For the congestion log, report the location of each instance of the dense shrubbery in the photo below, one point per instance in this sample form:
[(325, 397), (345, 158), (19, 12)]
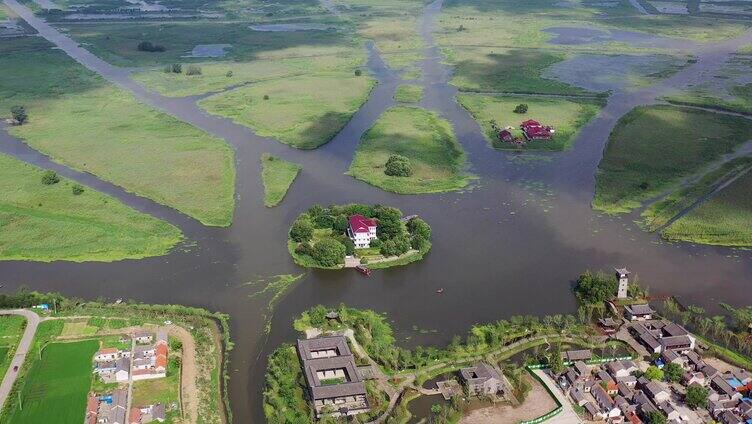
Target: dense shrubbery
[(398, 166), (19, 114), (283, 395), (175, 68), (77, 189), (521, 108), (148, 46), (193, 70), (320, 234), (595, 288), (50, 178)]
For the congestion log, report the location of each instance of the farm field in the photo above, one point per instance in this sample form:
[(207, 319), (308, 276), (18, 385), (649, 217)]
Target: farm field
[(567, 116), (48, 222), (304, 112), (79, 120), (725, 219), (277, 176), (428, 141), (163, 390), (409, 93), (55, 388), (641, 162)]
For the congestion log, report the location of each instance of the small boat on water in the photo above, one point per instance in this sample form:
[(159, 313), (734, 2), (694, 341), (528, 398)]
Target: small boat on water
[(439, 291), (363, 270)]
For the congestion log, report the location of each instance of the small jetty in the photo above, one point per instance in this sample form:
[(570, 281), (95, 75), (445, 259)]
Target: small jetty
[(363, 270)]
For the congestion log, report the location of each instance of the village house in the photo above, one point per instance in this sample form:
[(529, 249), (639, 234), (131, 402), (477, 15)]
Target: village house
[(533, 130), (150, 361), (577, 355), (362, 231), (147, 414), (506, 136), (639, 312), (619, 369), (481, 379), (113, 371), (112, 408), (143, 337), (334, 385)]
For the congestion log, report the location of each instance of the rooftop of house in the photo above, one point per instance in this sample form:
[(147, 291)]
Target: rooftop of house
[(578, 355), (361, 224), (639, 309), (479, 373), (622, 271), (337, 356), (108, 351)]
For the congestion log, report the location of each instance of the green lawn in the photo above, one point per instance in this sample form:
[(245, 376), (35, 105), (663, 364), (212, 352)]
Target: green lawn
[(408, 93), (725, 219), (566, 116), (48, 222), (78, 119), (641, 161), (277, 176), (55, 387), (437, 159), (304, 112), (161, 390)]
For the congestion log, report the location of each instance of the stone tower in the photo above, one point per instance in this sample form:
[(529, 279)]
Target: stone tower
[(623, 276)]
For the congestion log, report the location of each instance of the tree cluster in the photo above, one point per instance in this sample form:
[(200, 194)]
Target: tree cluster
[(521, 108), (595, 288), (398, 166), (50, 178), (19, 114)]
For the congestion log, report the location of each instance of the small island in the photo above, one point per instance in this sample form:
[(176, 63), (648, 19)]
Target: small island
[(347, 236)]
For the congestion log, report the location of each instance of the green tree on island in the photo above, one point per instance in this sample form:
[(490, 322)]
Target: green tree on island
[(301, 230), (328, 252), (697, 397), (398, 166), (595, 288)]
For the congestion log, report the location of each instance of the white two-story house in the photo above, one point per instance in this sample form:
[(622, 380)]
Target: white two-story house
[(361, 231)]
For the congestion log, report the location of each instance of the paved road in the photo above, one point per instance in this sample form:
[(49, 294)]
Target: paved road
[(32, 321), (567, 415)]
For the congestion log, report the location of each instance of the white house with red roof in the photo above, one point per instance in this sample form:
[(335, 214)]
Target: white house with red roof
[(361, 231)]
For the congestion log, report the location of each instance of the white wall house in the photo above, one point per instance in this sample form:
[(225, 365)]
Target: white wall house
[(361, 231)]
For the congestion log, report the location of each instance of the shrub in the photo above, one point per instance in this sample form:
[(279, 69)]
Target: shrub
[(376, 243), (398, 166), (697, 397), (521, 108), (266, 97), (228, 74), (461, 28), (419, 227), (193, 70), (358, 72), (328, 252), (673, 372), (303, 248), (176, 68), (50, 177), (653, 373), (596, 288), (301, 230), (340, 224), (19, 114), (147, 46), (78, 189)]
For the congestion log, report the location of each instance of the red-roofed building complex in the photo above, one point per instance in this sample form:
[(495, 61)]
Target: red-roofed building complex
[(361, 231), (533, 130)]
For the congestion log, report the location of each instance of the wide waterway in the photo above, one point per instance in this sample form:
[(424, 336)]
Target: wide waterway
[(510, 245)]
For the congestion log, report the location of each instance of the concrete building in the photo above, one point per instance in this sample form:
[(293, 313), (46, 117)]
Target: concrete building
[(482, 379), (361, 231), (334, 386)]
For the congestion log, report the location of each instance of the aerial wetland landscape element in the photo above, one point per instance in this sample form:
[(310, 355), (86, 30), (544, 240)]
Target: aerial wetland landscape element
[(181, 165)]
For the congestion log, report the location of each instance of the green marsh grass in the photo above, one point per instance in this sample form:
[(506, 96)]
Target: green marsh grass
[(277, 176)]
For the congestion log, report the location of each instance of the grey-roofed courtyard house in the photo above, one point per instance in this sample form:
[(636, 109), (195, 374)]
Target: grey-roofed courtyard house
[(335, 387), (481, 379), (639, 312)]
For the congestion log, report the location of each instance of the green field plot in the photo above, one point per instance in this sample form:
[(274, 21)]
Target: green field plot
[(408, 93), (429, 143), (56, 386), (277, 176), (653, 148), (92, 126), (161, 390), (725, 219), (565, 115), (49, 222), (11, 330), (304, 112), (218, 76), (78, 329)]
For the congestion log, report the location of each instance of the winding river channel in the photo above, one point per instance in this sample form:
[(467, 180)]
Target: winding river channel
[(510, 245)]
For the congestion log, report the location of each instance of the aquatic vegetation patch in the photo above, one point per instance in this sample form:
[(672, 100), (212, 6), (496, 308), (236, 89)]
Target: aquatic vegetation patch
[(41, 222), (277, 176), (428, 141), (641, 162), (409, 93), (278, 286), (304, 112)]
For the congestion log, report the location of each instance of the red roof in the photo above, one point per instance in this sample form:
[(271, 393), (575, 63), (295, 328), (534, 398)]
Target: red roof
[(533, 129), (360, 224), (531, 123), (107, 351), (135, 416)]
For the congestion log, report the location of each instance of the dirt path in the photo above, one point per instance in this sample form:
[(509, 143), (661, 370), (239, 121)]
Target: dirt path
[(188, 372)]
